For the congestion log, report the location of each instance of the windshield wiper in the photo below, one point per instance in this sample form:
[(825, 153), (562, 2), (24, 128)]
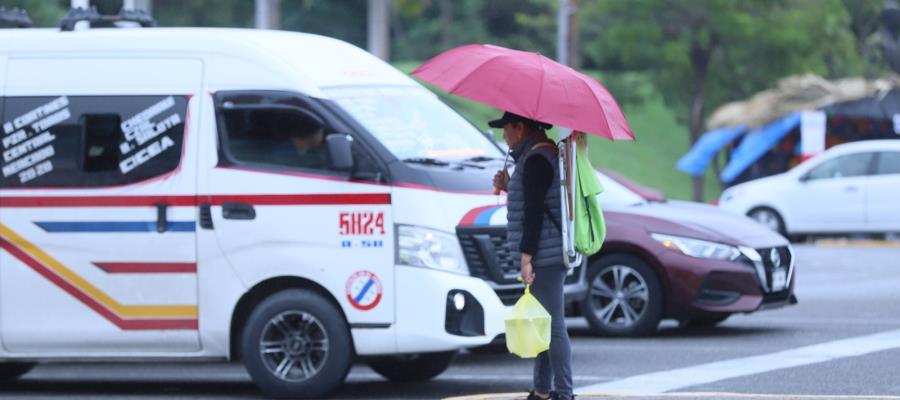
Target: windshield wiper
[(482, 159), (440, 163), (426, 161)]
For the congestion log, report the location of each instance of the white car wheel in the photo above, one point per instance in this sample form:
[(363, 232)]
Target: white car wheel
[(768, 218)]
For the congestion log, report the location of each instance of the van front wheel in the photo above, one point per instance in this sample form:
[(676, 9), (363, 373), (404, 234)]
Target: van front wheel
[(12, 371), (295, 344), (412, 367)]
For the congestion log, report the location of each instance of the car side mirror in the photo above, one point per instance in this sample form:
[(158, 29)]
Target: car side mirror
[(340, 154)]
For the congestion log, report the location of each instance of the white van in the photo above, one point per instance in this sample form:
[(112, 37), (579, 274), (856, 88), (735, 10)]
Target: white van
[(280, 198)]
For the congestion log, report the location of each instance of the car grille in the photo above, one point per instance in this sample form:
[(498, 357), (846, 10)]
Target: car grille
[(773, 258), (489, 257)]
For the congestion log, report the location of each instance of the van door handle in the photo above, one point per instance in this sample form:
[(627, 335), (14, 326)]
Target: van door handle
[(237, 210), (851, 189), (162, 220)]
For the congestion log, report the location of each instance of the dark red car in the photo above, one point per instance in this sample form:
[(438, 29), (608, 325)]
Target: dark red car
[(687, 261)]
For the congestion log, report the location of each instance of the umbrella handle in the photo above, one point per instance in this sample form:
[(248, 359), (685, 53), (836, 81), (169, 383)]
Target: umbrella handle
[(505, 162)]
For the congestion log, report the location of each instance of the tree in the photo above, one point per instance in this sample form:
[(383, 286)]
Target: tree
[(42, 12), (703, 53)]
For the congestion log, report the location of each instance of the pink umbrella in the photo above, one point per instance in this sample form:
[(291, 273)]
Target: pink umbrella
[(527, 84)]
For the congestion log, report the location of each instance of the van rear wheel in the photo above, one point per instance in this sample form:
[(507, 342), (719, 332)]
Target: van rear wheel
[(295, 344), (12, 371), (412, 367)]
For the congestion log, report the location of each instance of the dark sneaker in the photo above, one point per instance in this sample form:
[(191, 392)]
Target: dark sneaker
[(533, 396), (558, 396)]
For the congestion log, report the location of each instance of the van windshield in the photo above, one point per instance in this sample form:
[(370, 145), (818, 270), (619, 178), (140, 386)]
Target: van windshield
[(413, 123)]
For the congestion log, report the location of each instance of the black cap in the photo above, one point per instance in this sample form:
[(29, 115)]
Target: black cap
[(510, 117)]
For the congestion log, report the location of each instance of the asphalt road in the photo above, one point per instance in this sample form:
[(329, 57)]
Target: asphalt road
[(846, 296)]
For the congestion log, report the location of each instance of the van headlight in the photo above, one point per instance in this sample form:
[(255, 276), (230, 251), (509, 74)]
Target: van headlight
[(698, 248), (428, 248)]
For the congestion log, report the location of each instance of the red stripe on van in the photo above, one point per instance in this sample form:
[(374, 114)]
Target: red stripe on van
[(146, 268), (134, 324), (96, 201), (139, 201), (305, 199)]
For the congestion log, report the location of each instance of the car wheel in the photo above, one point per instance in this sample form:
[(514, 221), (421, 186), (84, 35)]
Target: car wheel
[(12, 371), (624, 298), (412, 367), (707, 322), (768, 218), (296, 344)]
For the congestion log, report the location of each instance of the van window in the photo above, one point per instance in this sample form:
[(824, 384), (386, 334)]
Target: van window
[(284, 138), (101, 141), (90, 141)]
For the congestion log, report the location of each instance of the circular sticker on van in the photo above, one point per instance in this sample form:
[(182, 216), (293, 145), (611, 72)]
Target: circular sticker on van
[(364, 290)]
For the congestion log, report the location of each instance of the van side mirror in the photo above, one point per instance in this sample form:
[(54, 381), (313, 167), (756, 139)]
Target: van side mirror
[(340, 154)]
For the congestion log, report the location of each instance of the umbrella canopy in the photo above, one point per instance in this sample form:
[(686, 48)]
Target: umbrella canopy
[(530, 85)]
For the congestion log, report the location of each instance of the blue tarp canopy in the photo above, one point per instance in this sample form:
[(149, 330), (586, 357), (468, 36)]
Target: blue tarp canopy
[(757, 143), (696, 160)]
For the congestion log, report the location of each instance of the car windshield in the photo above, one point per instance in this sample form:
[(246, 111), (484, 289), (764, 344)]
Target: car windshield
[(413, 123), (615, 194)]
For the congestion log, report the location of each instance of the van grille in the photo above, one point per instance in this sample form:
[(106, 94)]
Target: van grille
[(487, 254), (488, 257)]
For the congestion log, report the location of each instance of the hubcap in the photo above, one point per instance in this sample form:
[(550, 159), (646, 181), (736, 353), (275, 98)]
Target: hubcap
[(619, 296), (293, 346), (767, 219)]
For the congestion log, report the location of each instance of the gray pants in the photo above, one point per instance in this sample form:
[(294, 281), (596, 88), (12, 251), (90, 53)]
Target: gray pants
[(556, 364)]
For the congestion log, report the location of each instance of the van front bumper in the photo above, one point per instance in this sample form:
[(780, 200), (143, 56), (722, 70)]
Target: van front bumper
[(427, 318)]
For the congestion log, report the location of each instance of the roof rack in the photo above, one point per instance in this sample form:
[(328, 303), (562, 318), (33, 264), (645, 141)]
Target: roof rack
[(15, 18), (92, 16)]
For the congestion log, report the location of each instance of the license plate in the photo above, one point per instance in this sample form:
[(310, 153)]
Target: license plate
[(779, 279)]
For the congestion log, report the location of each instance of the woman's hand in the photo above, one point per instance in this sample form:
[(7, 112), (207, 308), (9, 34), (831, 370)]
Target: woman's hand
[(527, 269), (501, 181)]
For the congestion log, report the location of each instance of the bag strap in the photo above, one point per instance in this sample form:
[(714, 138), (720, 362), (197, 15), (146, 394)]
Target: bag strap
[(542, 144), (547, 209), (550, 216)]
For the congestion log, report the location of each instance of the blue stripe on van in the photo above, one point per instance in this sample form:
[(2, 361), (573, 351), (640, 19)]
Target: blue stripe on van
[(485, 217), (114, 226)]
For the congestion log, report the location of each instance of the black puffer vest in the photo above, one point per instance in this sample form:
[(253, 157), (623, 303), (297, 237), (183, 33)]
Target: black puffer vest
[(550, 251)]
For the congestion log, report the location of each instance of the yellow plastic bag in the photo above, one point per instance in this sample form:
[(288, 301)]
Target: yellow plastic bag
[(528, 327)]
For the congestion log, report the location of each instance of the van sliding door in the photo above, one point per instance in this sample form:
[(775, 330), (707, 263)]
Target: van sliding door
[(98, 213)]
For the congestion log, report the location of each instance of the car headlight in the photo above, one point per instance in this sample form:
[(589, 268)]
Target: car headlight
[(698, 248), (427, 248)]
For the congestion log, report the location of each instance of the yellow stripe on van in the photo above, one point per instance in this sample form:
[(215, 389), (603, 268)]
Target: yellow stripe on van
[(123, 311)]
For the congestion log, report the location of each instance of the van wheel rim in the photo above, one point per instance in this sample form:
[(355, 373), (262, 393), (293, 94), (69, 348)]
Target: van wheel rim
[(619, 296), (294, 346)]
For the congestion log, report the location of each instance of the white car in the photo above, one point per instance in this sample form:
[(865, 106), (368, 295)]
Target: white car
[(853, 187)]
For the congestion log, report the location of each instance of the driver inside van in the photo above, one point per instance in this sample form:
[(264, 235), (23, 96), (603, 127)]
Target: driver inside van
[(304, 147)]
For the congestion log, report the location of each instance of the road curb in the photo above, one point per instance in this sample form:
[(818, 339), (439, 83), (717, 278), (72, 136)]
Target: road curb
[(681, 395), (857, 243)]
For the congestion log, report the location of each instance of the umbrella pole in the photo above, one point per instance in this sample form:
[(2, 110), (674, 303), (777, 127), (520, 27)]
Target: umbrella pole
[(497, 190)]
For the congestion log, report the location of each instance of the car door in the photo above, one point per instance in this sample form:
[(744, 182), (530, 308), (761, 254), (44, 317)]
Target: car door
[(883, 198), (278, 210), (97, 208), (831, 197)]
